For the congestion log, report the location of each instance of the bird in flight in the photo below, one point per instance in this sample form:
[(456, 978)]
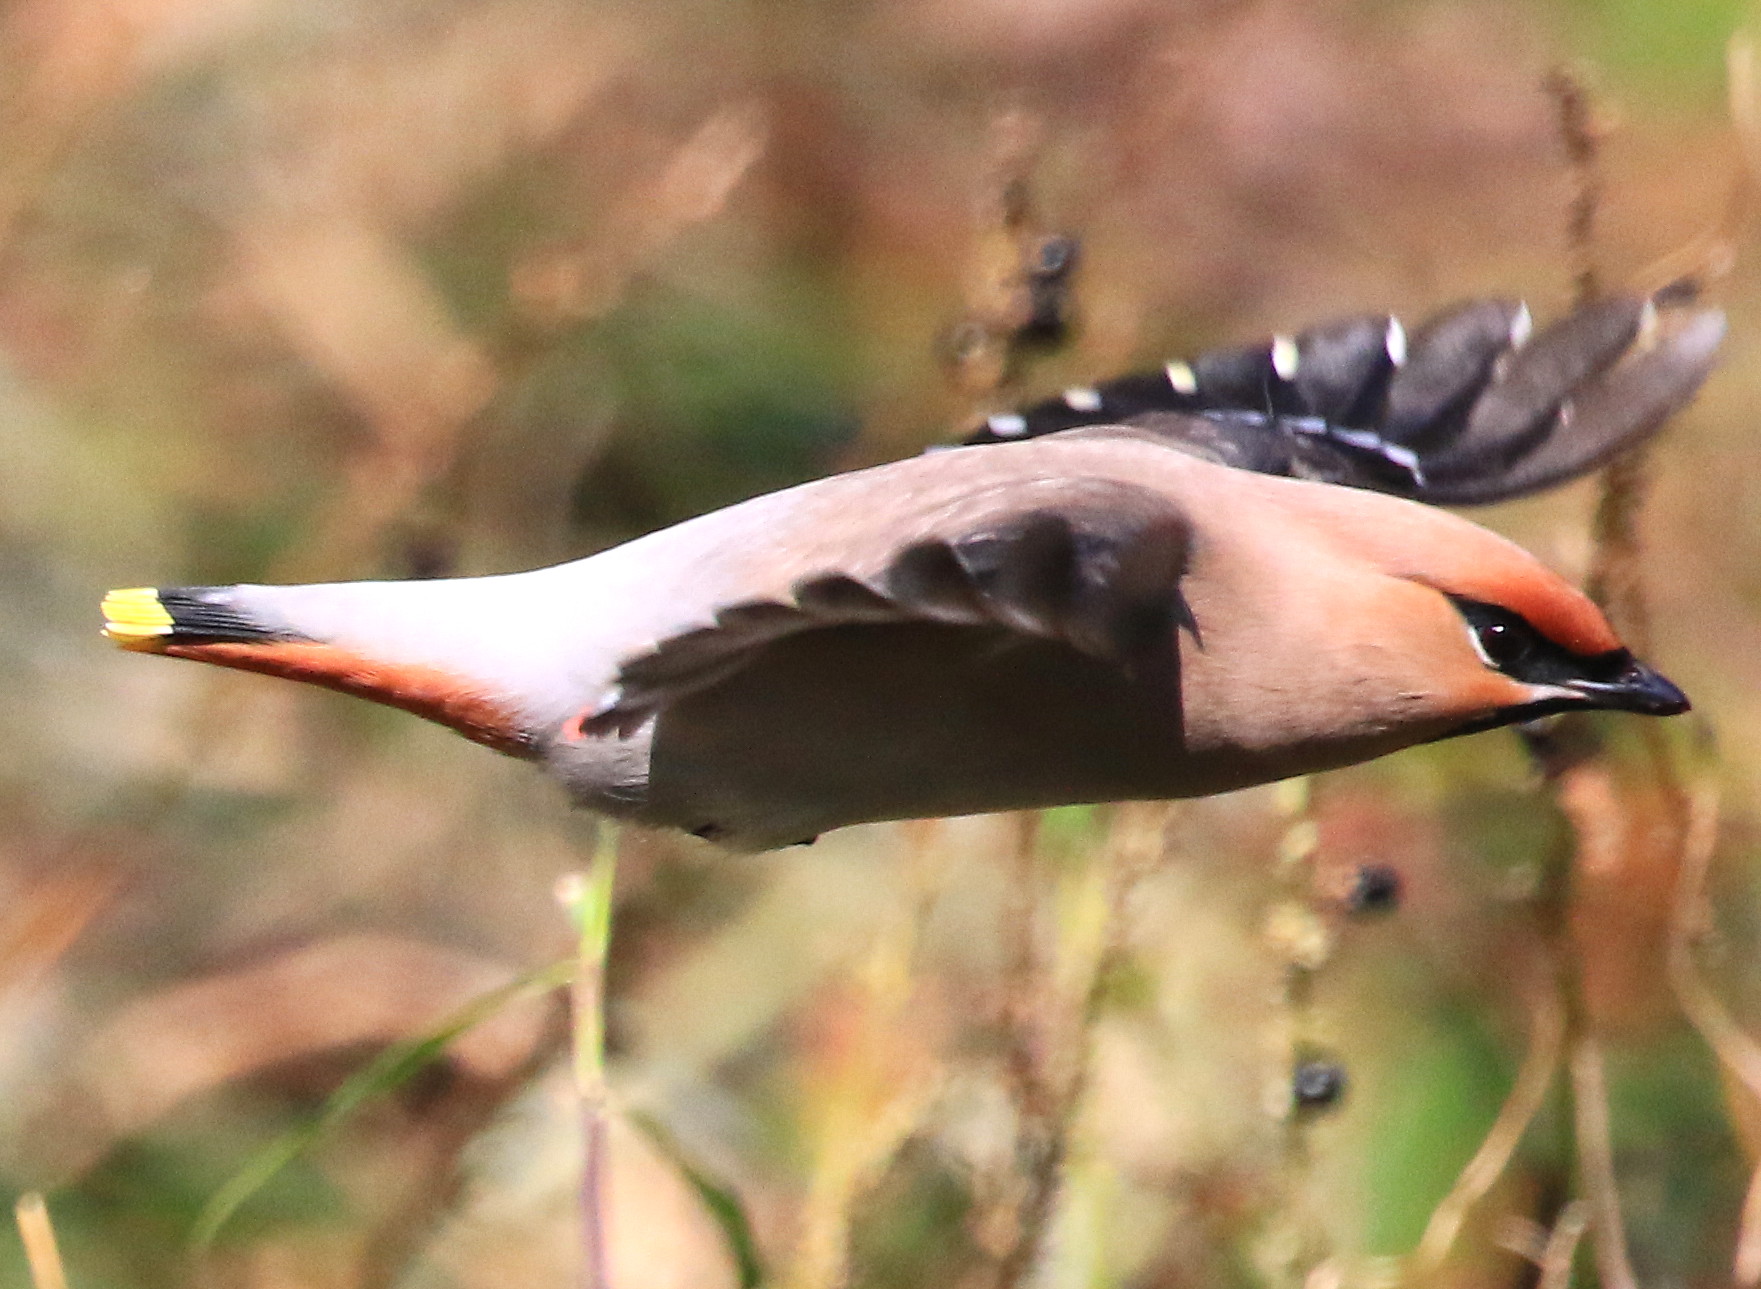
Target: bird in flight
[(1224, 572)]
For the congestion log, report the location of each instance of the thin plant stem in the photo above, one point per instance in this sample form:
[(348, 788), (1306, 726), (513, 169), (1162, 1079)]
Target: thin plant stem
[(1615, 582), (1596, 1162), (588, 898), (1562, 1246), (40, 1249), (1051, 1082), (1301, 943), (1736, 1049), (1711, 256), (1746, 1261), (1585, 1093), (866, 1122), (1581, 134), (1527, 1094)]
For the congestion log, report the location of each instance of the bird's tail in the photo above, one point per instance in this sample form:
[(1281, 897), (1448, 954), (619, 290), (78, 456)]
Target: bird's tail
[(394, 643), (151, 618)]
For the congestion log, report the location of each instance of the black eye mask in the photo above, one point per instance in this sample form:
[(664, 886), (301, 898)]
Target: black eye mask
[(1510, 645), (1613, 680)]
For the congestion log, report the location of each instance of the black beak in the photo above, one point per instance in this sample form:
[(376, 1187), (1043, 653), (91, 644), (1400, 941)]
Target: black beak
[(1635, 688)]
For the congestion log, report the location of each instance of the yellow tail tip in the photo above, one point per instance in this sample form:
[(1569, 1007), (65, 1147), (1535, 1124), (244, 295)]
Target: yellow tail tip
[(134, 618)]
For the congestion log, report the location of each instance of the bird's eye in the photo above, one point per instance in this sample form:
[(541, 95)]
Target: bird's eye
[(1504, 640), (1506, 645)]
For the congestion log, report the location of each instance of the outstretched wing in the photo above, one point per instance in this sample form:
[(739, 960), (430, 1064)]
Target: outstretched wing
[(1472, 407), (1090, 562)]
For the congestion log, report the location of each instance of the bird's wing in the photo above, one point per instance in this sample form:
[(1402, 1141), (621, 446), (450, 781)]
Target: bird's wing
[(1468, 408), (1092, 562)]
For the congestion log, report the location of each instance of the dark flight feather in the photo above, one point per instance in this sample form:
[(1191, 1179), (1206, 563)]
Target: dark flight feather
[(1469, 408)]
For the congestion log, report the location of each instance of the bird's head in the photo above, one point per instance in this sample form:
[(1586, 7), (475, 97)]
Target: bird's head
[(1418, 620)]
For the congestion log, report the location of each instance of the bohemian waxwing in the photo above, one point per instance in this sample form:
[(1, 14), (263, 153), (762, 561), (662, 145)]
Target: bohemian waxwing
[(1096, 612)]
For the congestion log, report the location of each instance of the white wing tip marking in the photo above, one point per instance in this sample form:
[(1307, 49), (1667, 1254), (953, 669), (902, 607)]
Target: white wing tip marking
[(1285, 357), (1395, 342), (1522, 326), (1646, 335)]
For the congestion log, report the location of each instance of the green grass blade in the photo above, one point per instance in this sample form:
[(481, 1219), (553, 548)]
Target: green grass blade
[(393, 1067)]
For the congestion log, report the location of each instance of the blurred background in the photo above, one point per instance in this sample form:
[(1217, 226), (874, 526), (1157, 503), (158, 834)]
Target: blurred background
[(320, 289)]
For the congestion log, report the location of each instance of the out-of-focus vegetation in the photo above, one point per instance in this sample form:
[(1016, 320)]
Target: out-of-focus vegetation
[(309, 289)]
